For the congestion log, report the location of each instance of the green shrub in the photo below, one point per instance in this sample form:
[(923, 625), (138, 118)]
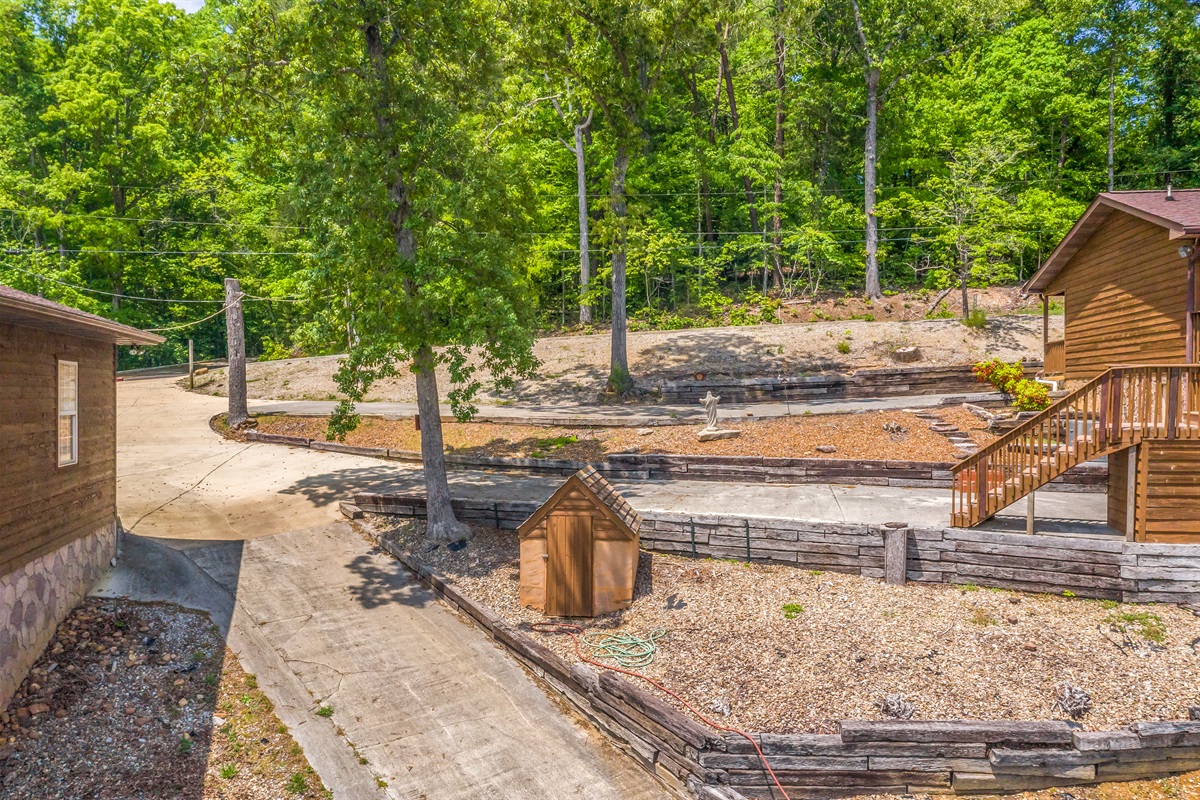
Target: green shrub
[(1000, 374), (273, 351), (1029, 395), (1145, 623), (843, 347), (325, 711), (976, 318), (792, 610)]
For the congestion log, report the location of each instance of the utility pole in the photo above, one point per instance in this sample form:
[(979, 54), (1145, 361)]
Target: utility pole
[(235, 331)]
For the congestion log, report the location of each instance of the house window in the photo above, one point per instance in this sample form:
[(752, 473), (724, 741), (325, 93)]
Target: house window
[(68, 413)]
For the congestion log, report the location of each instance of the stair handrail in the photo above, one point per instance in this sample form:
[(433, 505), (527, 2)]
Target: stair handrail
[(1105, 417), (1050, 411)]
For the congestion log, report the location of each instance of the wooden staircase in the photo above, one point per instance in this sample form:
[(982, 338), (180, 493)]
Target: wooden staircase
[(1117, 409)]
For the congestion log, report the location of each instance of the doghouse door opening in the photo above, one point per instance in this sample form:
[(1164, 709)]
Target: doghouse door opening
[(569, 565)]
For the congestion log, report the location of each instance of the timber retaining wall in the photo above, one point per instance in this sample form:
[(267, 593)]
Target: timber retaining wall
[(1091, 477), (861, 384), (1102, 568), (864, 757)]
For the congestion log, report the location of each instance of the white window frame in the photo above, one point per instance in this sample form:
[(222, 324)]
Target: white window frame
[(68, 407)]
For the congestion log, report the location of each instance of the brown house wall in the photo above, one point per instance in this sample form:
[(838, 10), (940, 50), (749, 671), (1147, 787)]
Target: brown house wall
[(45, 506), (1169, 494), (1125, 298)]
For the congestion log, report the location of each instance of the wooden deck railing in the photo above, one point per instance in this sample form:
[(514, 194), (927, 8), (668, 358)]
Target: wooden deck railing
[(1117, 409), (1055, 358)]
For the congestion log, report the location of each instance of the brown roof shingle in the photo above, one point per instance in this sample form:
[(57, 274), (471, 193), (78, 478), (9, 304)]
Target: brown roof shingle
[(31, 311), (606, 493), (1179, 216)]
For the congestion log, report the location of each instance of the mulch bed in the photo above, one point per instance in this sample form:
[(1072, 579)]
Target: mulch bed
[(855, 436), (786, 650), (135, 700)]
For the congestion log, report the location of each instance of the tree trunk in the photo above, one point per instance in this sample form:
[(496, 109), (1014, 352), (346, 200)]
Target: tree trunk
[(873, 291), (1112, 92), (441, 524), (776, 221), (235, 331), (734, 129), (619, 379), (585, 263), (964, 272)]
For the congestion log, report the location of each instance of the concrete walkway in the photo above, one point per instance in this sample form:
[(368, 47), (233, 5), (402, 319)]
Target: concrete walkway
[(435, 708), (620, 414)]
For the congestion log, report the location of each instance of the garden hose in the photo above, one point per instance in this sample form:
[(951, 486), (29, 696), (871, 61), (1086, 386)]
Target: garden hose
[(577, 635), (627, 650)]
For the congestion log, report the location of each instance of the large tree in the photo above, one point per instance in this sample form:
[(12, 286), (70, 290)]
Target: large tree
[(892, 39), (416, 209), (616, 51)]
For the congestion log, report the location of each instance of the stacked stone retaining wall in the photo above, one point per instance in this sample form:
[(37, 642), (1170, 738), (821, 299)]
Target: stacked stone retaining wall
[(1087, 566), (861, 384), (1092, 477), (36, 597), (864, 757)]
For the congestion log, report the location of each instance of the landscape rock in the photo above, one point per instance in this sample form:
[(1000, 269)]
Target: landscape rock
[(826, 448)]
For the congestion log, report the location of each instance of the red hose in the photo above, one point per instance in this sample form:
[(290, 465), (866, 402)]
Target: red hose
[(575, 631)]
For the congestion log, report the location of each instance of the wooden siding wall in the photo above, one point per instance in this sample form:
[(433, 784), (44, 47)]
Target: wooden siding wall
[(43, 506), (1126, 298), (1118, 489), (1168, 492)]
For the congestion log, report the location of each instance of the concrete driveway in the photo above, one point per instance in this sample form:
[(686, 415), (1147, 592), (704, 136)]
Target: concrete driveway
[(434, 708)]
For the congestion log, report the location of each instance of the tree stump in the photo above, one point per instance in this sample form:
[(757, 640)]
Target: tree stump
[(906, 355)]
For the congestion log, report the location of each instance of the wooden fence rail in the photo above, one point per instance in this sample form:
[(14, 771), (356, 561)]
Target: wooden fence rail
[(1117, 409)]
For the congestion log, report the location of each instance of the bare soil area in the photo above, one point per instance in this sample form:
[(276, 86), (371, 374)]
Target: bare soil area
[(784, 650), (896, 435), (574, 368), (135, 700)]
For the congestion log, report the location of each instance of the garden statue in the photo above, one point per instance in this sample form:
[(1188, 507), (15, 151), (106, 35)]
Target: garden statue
[(710, 410), (710, 430)]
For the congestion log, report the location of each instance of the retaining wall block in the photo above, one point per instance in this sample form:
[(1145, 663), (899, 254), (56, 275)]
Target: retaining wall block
[(989, 732)]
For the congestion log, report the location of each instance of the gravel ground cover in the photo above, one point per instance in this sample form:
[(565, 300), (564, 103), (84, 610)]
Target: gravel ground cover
[(574, 368), (134, 701), (856, 436), (785, 650)]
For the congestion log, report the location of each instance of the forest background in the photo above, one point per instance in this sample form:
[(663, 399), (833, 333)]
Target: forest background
[(735, 154)]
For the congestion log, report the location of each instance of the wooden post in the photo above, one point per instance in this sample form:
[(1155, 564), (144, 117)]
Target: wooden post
[(191, 365), (1190, 327), (1029, 512), (1131, 480), (235, 331), (1045, 325), (895, 553)]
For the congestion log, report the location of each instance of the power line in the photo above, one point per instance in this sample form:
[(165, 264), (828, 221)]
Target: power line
[(165, 221), (86, 251), (77, 287), (220, 310)]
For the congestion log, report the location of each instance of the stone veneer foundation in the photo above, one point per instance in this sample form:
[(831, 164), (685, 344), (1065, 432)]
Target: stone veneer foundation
[(35, 598)]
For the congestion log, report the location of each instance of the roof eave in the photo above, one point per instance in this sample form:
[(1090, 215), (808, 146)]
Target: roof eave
[(34, 315)]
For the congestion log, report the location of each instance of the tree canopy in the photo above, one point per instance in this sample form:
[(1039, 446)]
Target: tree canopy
[(147, 153)]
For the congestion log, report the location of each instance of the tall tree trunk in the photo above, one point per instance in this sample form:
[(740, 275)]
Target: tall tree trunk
[(441, 524), (734, 127), (873, 291), (1112, 93), (776, 221), (619, 379), (585, 262), (705, 205)]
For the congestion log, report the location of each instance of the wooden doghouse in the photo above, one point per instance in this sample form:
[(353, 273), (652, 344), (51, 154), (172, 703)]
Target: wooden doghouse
[(579, 551)]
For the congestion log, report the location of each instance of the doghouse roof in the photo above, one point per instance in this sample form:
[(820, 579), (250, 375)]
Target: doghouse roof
[(606, 498)]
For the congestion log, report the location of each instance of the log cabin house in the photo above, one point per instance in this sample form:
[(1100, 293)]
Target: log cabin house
[(58, 467), (1126, 275)]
